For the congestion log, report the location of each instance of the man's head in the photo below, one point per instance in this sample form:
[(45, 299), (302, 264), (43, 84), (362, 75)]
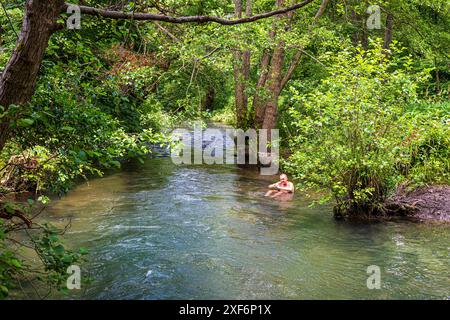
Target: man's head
[(283, 178)]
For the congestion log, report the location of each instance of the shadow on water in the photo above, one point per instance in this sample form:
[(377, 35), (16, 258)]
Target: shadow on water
[(161, 231)]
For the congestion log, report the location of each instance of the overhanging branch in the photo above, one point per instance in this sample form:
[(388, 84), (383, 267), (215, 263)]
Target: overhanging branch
[(111, 14)]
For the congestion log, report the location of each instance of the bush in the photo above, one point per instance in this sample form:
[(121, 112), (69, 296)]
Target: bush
[(153, 116), (428, 143), (71, 139), (226, 115)]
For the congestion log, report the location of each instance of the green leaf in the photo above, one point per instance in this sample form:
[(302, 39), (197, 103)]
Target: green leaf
[(115, 163), (16, 263), (25, 122), (44, 199), (82, 155), (67, 128), (59, 250), (67, 259)]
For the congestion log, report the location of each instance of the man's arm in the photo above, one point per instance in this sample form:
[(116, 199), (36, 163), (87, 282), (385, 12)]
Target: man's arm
[(274, 186)]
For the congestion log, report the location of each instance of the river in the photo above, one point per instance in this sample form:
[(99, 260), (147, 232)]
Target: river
[(165, 231)]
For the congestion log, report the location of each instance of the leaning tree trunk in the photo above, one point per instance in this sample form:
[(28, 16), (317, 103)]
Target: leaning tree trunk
[(18, 80), (274, 83), (270, 79), (266, 113), (258, 101), (274, 79), (388, 33)]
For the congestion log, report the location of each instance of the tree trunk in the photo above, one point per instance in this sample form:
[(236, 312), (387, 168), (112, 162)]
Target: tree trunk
[(355, 35), (258, 101), (18, 80), (295, 61), (364, 35), (438, 80), (239, 90), (269, 80), (274, 83), (266, 115), (360, 35), (208, 104), (246, 61)]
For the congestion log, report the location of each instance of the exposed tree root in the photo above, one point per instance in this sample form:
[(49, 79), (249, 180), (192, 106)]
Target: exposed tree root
[(428, 203), (431, 203)]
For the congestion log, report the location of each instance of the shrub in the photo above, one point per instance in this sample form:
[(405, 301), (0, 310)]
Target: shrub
[(428, 145), (350, 130), (71, 139)]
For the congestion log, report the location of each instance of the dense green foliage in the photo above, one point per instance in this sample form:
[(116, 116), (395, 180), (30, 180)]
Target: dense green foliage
[(354, 137), (84, 118), (357, 119)]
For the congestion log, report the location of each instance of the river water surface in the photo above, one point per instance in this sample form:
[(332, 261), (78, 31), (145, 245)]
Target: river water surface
[(163, 231)]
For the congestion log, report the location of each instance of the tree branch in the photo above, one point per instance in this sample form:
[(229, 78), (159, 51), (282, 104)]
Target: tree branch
[(186, 19), (321, 10), (18, 214), (170, 34), (291, 69)]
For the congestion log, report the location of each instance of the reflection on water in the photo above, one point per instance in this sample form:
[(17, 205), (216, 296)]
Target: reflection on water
[(161, 231)]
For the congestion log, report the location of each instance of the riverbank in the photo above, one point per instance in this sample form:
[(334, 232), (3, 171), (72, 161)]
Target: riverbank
[(431, 203)]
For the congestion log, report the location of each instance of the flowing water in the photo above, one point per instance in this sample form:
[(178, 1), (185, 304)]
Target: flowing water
[(164, 231)]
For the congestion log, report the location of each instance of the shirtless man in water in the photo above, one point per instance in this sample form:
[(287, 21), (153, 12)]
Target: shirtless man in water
[(282, 187)]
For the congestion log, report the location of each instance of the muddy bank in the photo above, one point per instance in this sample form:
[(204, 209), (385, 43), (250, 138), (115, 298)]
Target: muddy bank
[(428, 203)]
